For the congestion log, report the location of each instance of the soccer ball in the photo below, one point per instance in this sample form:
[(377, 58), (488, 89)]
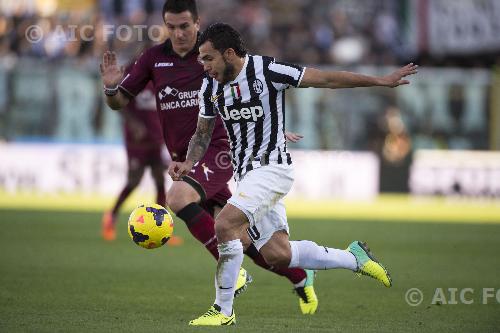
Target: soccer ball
[(150, 226)]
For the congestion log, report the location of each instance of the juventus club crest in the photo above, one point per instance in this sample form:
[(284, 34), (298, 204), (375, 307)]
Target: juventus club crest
[(258, 87)]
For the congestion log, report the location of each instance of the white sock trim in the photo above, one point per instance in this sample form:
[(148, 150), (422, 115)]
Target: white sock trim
[(294, 260), (230, 247)]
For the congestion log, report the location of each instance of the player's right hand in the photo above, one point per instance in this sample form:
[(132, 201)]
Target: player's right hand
[(111, 73), (177, 170)]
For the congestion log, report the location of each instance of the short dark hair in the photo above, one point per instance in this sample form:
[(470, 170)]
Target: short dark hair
[(179, 6), (223, 37)]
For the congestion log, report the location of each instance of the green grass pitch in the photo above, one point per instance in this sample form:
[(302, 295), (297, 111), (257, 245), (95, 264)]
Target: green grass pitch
[(57, 275)]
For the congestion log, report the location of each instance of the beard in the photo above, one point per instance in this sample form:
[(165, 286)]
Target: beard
[(228, 73)]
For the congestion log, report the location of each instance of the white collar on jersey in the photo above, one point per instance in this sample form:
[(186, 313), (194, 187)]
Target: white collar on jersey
[(242, 73)]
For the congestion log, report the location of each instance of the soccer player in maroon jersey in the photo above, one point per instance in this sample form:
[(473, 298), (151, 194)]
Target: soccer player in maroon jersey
[(177, 75), (143, 138)]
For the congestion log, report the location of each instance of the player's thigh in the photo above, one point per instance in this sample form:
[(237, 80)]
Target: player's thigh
[(230, 224), (276, 251), (245, 239), (180, 195)]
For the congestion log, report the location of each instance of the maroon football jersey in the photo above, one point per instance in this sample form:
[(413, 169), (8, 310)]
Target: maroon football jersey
[(143, 110), (176, 81)]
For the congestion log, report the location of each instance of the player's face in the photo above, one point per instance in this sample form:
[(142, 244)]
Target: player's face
[(216, 64), (182, 30)]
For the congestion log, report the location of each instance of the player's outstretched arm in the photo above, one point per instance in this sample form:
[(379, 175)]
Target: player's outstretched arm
[(334, 80), (196, 150), (111, 75)]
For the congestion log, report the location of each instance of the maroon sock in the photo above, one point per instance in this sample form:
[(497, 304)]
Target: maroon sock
[(161, 197), (201, 225), (121, 198), (295, 275)]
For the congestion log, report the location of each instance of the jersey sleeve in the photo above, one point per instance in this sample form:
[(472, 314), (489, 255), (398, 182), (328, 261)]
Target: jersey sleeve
[(206, 102), (284, 75), (137, 77)]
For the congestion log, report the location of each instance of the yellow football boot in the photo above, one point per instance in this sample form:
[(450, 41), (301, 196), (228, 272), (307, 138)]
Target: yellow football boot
[(308, 301), (242, 282), (214, 317)]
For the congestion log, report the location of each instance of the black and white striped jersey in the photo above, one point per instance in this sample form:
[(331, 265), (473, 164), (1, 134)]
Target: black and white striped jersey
[(252, 107)]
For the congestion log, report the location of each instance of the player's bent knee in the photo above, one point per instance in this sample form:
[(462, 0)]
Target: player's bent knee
[(180, 195), (177, 200), (223, 229), (245, 240), (176, 203), (277, 259), (276, 256), (277, 251), (227, 228), (230, 224)]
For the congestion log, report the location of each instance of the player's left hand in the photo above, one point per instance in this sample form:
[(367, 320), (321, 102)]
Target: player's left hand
[(111, 72), (177, 170), (293, 137), (396, 78)]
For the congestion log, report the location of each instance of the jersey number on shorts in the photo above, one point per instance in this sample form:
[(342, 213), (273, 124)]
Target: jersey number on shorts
[(253, 233)]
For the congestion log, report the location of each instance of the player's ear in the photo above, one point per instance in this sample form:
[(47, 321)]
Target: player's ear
[(229, 53), (197, 24)]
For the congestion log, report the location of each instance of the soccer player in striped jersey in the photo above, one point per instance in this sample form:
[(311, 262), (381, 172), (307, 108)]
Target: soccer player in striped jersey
[(247, 92), (176, 77)]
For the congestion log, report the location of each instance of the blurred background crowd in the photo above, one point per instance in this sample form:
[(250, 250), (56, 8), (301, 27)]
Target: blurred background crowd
[(50, 89), (303, 31)]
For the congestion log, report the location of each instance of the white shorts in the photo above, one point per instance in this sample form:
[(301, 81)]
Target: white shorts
[(260, 196)]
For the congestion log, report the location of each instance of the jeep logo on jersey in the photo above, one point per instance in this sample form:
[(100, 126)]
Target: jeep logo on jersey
[(242, 112)]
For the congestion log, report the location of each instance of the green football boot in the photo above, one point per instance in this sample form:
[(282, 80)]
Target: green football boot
[(368, 264)]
